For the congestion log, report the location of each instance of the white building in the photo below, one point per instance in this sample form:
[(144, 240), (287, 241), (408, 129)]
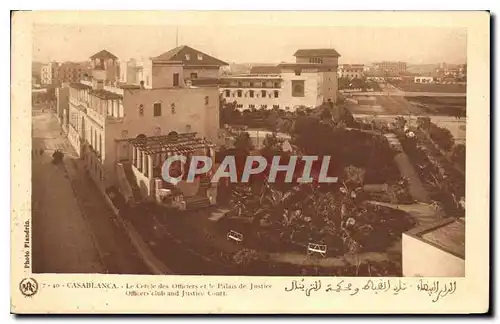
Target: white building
[(351, 71), (193, 65), (108, 120), (309, 82), (423, 79), (436, 250)]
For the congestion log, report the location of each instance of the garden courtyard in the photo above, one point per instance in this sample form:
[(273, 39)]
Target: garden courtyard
[(349, 228)]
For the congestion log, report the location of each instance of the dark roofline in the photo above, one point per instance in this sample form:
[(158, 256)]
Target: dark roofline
[(104, 53)]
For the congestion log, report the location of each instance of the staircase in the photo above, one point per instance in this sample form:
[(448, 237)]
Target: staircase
[(196, 202), (136, 193)]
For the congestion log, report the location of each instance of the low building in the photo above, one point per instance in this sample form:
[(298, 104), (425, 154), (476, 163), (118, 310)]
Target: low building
[(423, 79), (351, 71), (436, 250), (309, 82), (106, 117), (55, 73)]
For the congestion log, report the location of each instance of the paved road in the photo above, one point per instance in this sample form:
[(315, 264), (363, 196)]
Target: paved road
[(74, 230), (417, 189)]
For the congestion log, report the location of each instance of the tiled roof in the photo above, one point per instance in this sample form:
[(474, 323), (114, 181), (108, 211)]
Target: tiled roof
[(317, 52), (106, 95), (104, 55), (263, 69), (129, 86), (179, 54)]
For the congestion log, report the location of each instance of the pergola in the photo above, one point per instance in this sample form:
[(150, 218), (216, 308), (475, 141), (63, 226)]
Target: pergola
[(149, 153)]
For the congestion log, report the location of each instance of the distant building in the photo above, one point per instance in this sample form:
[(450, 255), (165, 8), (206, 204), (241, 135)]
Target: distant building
[(309, 82), (388, 68), (423, 79), (451, 71), (55, 73), (351, 71), (436, 250)]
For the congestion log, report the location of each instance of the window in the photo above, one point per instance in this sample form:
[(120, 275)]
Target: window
[(200, 56), (276, 106), (263, 93), (172, 108), (298, 72), (206, 100), (157, 109), (263, 106), (239, 84), (251, 106), (251, 84), (276, 94), (157, 130), (239, 106), (188, 57), (141, 110), (239, 93), (276, 84), (124, 133), (297, 88), (228, 93), (147, 79), (176, 79), (251, 93), (194, 75)]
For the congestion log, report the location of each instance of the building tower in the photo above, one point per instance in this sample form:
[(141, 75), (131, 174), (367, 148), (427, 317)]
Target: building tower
[(105, 69), (326, 62)]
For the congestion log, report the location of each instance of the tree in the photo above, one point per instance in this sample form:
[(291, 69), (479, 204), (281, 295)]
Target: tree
[(271, 145)]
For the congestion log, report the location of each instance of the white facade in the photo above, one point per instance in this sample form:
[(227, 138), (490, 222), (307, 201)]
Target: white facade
[(309, 82), (289, 90), (100, 113)]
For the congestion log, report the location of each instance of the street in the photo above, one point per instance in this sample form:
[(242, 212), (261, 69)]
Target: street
[(74, 230)]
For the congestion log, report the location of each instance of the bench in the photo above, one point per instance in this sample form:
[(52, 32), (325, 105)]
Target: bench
[(235, 236), (316, 248)]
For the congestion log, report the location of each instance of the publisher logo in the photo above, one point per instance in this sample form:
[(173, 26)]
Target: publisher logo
[(28, 287)]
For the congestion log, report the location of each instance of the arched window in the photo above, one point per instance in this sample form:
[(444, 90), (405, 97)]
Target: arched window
[(297, 88), (263, 93)]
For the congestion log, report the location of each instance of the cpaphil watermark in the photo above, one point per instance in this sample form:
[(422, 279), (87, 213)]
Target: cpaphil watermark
[(174, 169)]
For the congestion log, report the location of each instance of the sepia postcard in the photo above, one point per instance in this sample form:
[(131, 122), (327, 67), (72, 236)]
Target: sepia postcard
[(232, 162)]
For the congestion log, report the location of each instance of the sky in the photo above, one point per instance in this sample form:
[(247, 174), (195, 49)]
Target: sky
[(246, 43)]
